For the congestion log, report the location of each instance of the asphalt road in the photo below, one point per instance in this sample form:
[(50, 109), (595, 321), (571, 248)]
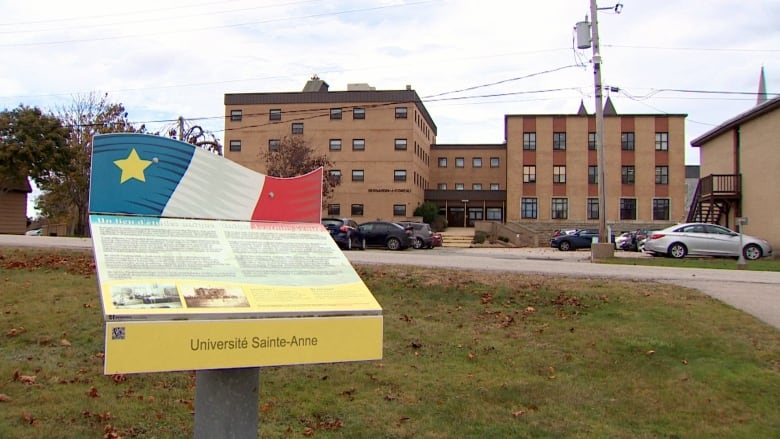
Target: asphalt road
[(754, 292)]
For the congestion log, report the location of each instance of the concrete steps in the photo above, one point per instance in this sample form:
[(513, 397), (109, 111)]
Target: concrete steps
[(460, 238)]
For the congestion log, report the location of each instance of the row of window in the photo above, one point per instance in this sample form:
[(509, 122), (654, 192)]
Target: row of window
[(356, 210), (474, 187), (559, 208), (627, 141), (275, 114), (476, 162), (333, 145), (627, 174)]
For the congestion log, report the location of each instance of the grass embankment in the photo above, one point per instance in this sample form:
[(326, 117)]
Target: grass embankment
[(466, 354), (764, 264)]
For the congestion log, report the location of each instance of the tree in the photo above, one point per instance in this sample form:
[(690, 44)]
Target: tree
[(294, 157), (429, 212), (68, 195), (32, 145)]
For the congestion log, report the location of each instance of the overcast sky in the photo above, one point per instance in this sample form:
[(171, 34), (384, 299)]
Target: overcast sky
[(166, 59)]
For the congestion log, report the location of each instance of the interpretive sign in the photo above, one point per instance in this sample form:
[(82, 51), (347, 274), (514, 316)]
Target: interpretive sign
[(203, 264)]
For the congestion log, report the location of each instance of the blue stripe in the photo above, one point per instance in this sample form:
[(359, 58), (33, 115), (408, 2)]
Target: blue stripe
[(149, 197)]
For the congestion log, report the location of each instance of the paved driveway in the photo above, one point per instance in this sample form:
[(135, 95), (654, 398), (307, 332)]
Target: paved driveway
[(755, 292)]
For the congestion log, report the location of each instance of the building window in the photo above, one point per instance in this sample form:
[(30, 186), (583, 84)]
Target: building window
[(236, 115), (560, 208), (628, 208), (559, 174), (459, 186), (358, 144), (627, 174), (494, 187), (442, 186), (592, 141), (662, 141), (399, 209), (400, 144), (529, 174), (627, 141), (335, 114), (476, 186), (358, 175), (495, 162), (559, 141), (529, 208), (661, 175), (235, 145), (274, 144), (593, 175), (401, 112), (493, 214), (476, 162), (297, 128), (442, 162), (335, 176), (334, 209), (335, 145), (275, 114), (399, 175), (661, 209), (357, 210), (358, 113), (460, 162), (593, 208), (529, 141)]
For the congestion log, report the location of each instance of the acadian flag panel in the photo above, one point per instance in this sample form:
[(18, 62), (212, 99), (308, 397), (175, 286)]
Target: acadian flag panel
[(140, 174)]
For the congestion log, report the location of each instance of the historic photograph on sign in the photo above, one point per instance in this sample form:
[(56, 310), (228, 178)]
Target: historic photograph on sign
[(145, 296), (214, 296)]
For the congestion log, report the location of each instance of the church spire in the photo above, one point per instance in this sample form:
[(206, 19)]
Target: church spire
[(761, 95)]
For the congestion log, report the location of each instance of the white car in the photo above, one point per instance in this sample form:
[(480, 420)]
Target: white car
[(34, 232), (702, 239)]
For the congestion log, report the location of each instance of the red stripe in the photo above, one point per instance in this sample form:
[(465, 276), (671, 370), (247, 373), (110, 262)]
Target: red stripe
[(296, 199)]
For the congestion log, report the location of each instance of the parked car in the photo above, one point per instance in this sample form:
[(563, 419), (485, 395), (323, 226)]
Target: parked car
[(575, 240), (345, 232), (438, 239), (423, 235), (34, 232), (702, 239), (386, 234), (633, 242)]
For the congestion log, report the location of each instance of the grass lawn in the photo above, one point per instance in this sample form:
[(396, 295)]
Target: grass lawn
[(764, 264), (466, 355)]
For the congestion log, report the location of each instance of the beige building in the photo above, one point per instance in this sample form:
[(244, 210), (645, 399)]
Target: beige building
[(13, 214), (378, 141), (739, 163), (384, 150)]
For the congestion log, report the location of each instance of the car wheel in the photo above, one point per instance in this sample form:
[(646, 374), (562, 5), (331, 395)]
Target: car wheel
[(564, 246), (394, 244), (678, 250), (752, 252), (418, 243)]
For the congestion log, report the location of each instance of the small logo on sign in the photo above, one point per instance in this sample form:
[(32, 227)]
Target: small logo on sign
[(118, 333)]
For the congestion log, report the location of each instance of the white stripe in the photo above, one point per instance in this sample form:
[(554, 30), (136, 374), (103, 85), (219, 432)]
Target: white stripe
[(214, 187)]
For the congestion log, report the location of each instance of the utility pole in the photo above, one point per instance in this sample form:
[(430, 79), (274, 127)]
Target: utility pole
[(602, 180)]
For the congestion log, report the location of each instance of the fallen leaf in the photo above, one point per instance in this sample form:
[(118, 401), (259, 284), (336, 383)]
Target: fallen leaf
[(685, 362), (518, 413), (28, 418), (308, 431), (27, 379), (65, 343), (266, 407), (93, 393), (650, 352), (4, 397), (472, 355)]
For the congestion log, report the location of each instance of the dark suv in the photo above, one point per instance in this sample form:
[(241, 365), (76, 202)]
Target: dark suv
[(345, 232), (423, 235), (386, 234)]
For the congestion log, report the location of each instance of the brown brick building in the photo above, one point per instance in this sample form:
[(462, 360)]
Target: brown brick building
[(383, 145)]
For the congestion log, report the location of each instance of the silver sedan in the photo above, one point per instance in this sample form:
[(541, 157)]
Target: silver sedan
[(703, 239)]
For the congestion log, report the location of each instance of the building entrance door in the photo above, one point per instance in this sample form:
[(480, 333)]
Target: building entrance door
[(456, 217), (475, 214)]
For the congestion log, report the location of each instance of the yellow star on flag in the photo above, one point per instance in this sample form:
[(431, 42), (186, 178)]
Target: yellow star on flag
[(132, 167)]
